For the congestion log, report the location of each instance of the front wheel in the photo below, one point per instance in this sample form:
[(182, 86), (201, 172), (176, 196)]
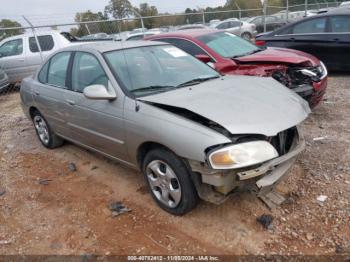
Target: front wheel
[(169, 181)]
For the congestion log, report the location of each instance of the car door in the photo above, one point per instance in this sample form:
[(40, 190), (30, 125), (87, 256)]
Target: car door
[(34, 59), (50, 92), (309, 36), (97, 124), (339, 46), (13, 60)]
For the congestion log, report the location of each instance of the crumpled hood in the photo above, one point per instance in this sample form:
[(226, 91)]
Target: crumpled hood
[(240, 104), (280, 55)]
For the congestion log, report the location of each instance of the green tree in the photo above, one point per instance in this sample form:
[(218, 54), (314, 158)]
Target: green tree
[(145, 10), (91, 28), (119, 9), (6, 23)]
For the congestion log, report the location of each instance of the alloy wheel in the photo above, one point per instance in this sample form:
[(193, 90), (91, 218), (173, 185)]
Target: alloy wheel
[(164, 183)]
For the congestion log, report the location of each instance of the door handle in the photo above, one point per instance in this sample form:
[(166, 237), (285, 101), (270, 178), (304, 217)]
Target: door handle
[(21, 60), (292, 39), (70, 102), (36, 93), (336, 39)]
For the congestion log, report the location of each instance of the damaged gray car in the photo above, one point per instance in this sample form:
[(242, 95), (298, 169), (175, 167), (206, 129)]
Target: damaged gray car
[(193, 133)]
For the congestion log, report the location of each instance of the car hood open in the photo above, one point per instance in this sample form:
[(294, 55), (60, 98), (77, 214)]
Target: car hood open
[(280, 55), (240, 104)]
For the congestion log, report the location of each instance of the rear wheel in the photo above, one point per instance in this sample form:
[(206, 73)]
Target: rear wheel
[(44, 132), (169, 181)]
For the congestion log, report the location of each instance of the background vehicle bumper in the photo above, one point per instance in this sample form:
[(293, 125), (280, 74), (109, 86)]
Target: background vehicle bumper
[(319, 92)]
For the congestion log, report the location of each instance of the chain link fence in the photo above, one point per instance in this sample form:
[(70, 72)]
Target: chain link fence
[(21, 56)]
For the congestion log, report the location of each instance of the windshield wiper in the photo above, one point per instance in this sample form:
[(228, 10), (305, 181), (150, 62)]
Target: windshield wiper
[(196, 81), (152, 88), (249, 53)]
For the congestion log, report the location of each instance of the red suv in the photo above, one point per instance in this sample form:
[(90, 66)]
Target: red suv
[(229, 54)]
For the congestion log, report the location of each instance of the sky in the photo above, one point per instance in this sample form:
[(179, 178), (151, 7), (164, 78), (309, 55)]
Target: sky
[(42, 7)]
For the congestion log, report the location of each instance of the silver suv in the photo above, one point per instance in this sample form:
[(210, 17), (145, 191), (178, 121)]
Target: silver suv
[(192, 132)]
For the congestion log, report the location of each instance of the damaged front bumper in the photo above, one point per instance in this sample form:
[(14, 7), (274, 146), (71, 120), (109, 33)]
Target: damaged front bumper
[(260, 180)]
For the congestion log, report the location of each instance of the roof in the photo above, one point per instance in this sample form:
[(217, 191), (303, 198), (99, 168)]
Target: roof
[(193, 33), (106, 46)]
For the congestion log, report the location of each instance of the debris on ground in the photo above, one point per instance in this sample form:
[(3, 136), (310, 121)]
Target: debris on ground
[(118, 208), (265, 220), (2, 192), (319, 138), (339, 249), (44, 182), (5, 242), (94, 167), (72, 167), (322, 198)]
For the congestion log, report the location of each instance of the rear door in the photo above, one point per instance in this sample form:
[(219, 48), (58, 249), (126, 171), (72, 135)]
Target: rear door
[(51, 92), (339, 46), (13, 59)]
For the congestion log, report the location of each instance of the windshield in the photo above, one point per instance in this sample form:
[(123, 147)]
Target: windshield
[(228, 45), (154, 69)]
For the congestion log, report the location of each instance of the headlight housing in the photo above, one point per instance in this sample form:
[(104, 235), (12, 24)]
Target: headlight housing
[(242, 155)]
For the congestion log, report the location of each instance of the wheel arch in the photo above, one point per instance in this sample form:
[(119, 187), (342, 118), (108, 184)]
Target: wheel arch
[(32, 111), (146, 147)]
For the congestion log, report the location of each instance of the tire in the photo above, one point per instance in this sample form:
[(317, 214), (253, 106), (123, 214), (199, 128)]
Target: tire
[(166, 172), (45, 134), (247, 36)]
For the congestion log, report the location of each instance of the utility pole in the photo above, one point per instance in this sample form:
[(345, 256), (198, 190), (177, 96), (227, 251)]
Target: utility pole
[(264, 3), (306, 7)]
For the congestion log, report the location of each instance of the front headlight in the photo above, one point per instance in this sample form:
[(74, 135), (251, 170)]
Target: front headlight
[(242, 155), (324, 70)]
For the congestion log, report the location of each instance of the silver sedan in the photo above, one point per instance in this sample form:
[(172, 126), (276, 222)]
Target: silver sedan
[(243, 29), (192, 132)]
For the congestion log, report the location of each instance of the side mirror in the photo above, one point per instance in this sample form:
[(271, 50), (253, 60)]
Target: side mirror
[(99, 92), (204, 58)]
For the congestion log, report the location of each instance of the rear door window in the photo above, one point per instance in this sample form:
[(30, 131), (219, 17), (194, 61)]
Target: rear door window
[(313, 26), (57, 74), (224, 25), (340, 24), (235, 24), (46, 43)]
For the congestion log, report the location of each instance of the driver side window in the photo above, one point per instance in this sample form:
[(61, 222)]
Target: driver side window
[(87, 71), (12, 48)]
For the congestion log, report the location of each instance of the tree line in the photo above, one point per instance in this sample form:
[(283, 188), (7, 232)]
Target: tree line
[(123, 9)]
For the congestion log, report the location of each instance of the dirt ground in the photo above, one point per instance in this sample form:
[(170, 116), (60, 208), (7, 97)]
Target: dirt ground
[(45, 208)]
